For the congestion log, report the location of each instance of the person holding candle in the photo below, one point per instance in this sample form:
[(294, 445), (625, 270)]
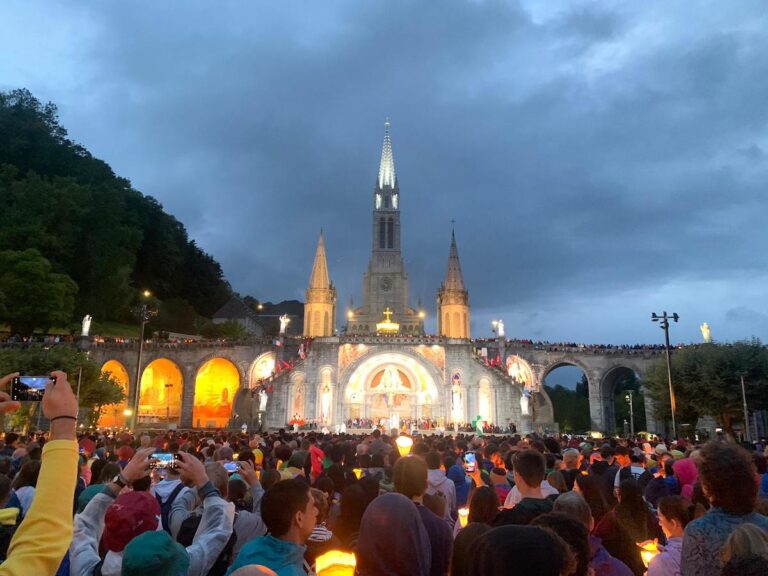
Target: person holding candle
[(674, 516)]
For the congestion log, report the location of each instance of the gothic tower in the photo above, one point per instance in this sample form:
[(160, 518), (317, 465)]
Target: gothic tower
[(385, 283), (320, 305), (453, 299)]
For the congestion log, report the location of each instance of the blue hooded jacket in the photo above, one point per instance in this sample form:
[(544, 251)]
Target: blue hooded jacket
[(462, 482), (285, 558)]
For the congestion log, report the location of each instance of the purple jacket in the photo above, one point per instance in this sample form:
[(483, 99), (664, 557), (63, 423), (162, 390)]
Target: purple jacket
[(667, 562), (603, 563)]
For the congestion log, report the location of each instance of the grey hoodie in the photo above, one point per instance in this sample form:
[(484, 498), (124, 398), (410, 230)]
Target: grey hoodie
[(437, 482)]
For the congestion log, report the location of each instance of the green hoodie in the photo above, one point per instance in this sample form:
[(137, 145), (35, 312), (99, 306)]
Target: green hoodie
[(285, 558)]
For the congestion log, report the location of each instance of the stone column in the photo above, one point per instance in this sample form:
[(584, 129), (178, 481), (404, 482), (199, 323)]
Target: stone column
[(187, 396)]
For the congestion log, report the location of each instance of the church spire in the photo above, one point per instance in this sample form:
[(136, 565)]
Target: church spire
[(454, 280), (387, 166), (319, 277)]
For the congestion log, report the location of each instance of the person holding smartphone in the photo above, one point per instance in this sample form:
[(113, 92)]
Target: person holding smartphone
[(43, 538)]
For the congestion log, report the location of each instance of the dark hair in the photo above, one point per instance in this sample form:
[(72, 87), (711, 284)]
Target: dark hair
[(529, 464), (722, 468), (761, 464), (593, 495), (483, 505), (433, 460), (573, 532), (410, 476), (28, 474), (632, 512), (246, 456), (675, 508), (96, 467), (10, 438), (751, 565), (269, 478), (281, 503), (606, 452), (108, 471), (5, 487)]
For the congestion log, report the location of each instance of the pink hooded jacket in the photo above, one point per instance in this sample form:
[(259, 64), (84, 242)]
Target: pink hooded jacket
[(687, 474)]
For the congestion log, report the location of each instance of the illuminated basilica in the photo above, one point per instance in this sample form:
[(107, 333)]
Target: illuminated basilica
[(383, 368)]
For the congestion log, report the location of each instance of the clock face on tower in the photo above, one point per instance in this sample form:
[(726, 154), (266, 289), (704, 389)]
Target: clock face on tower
[(385, 284)]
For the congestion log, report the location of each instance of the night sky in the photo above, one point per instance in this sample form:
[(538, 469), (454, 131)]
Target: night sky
[(602, 160)]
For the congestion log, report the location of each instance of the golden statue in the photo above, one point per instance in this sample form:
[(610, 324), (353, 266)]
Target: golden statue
[(706, 333)]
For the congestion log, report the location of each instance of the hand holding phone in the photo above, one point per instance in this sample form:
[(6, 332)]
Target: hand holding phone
[(470, 462), (163, 460), (29, 388)]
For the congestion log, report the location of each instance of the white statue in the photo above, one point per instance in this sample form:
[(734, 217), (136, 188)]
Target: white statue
[(284, 320), (456, 402), (262, 400), (86, 329), (244, 428), (525, 401), (500, 328), (706, 333)]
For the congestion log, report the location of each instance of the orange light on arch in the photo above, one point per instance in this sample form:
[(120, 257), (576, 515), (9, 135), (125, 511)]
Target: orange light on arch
[(112, 415), (216, 384), (160, 397)]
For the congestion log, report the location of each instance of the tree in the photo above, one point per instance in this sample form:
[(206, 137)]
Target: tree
[(34, 296), (104, 391), (707, 382), (571, 409)]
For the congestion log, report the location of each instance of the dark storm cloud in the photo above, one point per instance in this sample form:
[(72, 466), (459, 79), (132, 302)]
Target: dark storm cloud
[(594, 157)]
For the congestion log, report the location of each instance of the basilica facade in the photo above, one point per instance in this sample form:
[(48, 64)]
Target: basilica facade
[(382, 368)]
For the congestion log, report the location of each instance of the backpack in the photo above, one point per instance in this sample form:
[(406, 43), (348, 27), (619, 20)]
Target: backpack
[(187, 534), (165, 507)]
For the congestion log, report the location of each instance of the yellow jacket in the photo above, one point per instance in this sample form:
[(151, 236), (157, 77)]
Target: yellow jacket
[(43, 538)]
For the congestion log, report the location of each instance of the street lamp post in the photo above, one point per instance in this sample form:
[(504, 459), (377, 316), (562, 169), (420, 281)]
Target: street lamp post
[(663, 321), (747, 430), (628, 398), (168, 386), (144, 314)]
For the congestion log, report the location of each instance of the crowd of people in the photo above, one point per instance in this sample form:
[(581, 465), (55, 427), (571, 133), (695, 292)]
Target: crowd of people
[(194, 502)]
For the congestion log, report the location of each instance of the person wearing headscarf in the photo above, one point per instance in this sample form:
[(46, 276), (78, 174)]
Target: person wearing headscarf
[(519, 550), (393, 541)]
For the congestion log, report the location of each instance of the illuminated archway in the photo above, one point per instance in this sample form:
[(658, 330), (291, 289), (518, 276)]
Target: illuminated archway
[(391, 385), (160, 396), (112, 415), (485, 406), (216, 384), (263, 367)]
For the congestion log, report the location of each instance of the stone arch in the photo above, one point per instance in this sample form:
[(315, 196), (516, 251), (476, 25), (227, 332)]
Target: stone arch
[(417, 395), (261, 368), (297, 397), (325, 397), (545, 403), (216, 384), (160, 393), (112, 415), (607, 386), (486, 408)]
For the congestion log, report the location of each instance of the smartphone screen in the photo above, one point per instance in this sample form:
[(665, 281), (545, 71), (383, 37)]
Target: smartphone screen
[(163, 460), (470, 462), (28, 388), (230, 466)]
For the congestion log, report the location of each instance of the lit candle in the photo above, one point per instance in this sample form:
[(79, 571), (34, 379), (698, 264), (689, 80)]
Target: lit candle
[(404, 444), (463, 516), (335, 563), (648, 550)]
